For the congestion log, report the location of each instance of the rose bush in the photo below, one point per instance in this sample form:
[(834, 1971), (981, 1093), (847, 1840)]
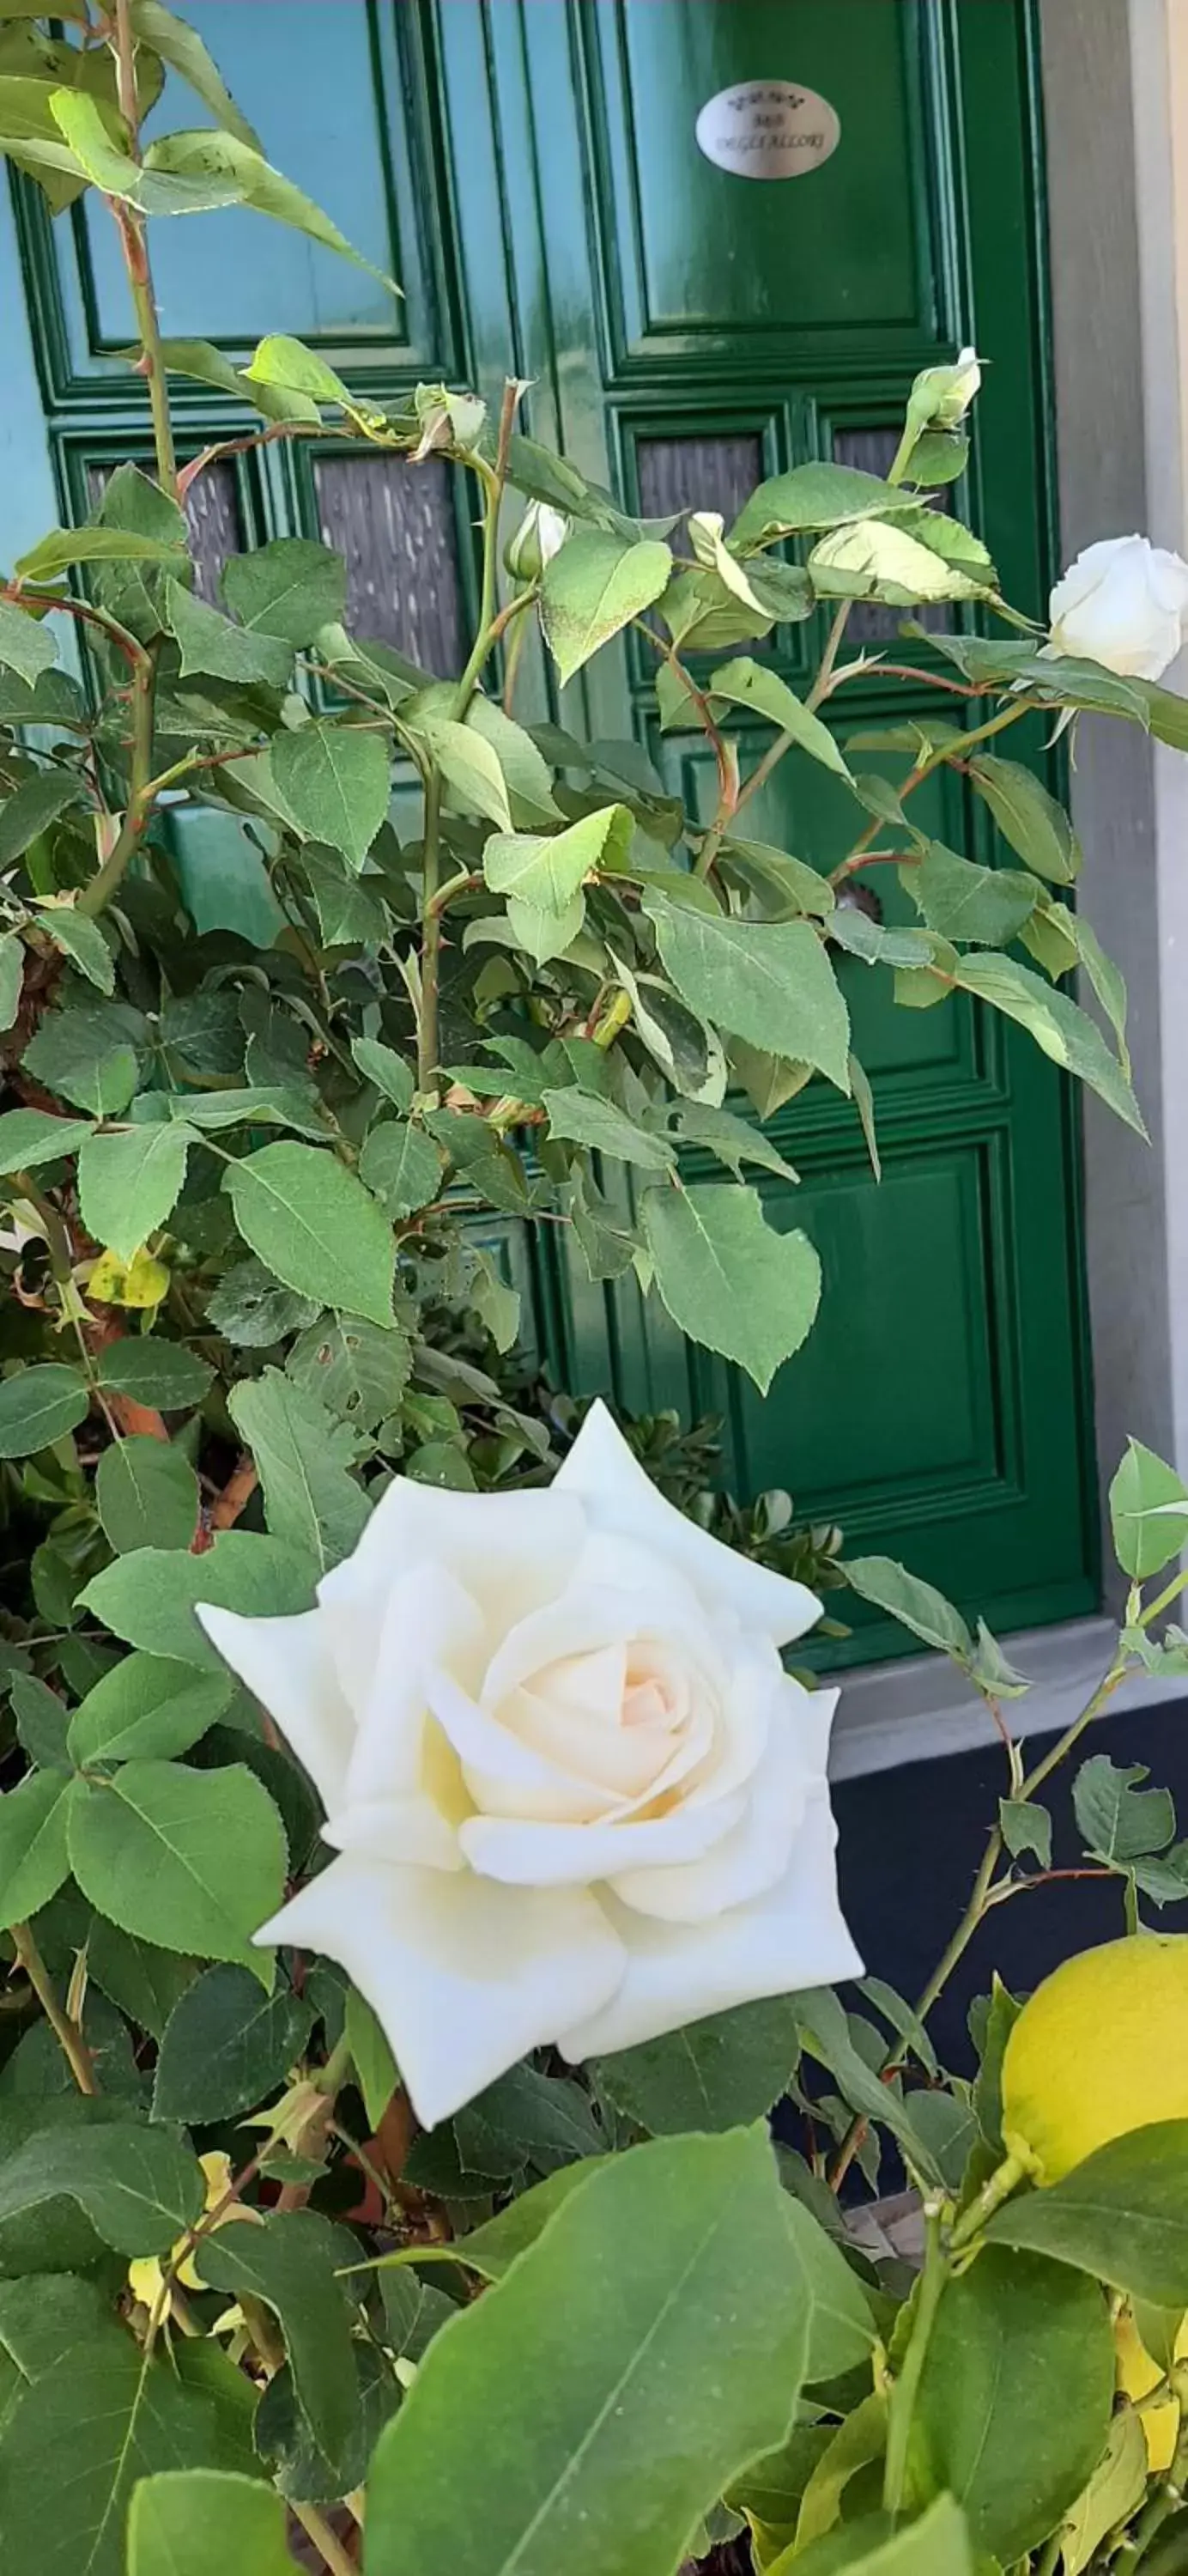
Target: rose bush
[(1123, 603), (574, 1795)]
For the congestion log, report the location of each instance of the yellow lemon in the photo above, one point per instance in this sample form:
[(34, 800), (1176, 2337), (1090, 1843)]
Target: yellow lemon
[(1136, 2374), (1101, 2047)]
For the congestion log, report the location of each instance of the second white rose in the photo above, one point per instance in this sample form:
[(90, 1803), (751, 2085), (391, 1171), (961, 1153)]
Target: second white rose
[(574, 1796), (1124, 603)]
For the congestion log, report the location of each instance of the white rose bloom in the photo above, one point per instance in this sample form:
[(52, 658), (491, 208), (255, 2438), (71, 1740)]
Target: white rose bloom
[(574, 1796), (1124, 603)]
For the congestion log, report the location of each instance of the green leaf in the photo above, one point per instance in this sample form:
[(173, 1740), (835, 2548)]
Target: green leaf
[(713, 2074), (728, 1279), (1064, 1032), (796, 886), (32, 808), (1009, 2332), (280, 360), (374, 2064), (358, 1372), (253, 1309), (205, 2522), (210, 643), (526, 2118), (292, 2262), (40, 1405), (129, 1180), (581, 1118), (182, 48), (87, 1054), (858, 2443), (961, 901), (31, 1136), (81, 120), (288, 588), (1121, 2215), (227, 2047), (916, 1605), (145, 1982), (140, 2187), (592, 587), (1026, 1828), (544, 934), (1115, 2491), (316, 1228), (12, 979), (546, 869), (936, 2545), (683, 2348), (526, 773), (825, 2032), (303, 1456), (1031, 820), (193, 1860), (490, 2250), (147, 1495), (381, 1065), (213, 160), (42, 1720), (26, 646), (1148, 1513), (733, 1140), (753, 685), (768, 982), (33, 1855), (153, 1371), (64, 547), (815, 496), (402, 1165), (80, 940), (1119, 1821), (114, 2418), (874, 561), (468, 763), (336, 782)]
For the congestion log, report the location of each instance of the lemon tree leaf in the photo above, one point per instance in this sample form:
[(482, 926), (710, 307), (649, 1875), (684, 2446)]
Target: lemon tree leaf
[(727, 1278), (1120, 2215), (206, 2522), (677, 2273)]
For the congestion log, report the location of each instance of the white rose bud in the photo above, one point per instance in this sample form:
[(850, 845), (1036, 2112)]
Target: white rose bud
[(1124, 603), (541, 531), (574, 1796)]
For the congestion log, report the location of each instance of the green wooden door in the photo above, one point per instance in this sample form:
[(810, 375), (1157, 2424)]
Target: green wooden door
[(529, 169)]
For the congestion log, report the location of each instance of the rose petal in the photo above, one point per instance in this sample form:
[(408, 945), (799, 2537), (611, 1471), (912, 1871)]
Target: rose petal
[(286, 1665), (619, 1498), (544, 1855), (431, 1617), (757, 1854), (512, 1551), (399, 1831), (790, 1939), (464, 1976)]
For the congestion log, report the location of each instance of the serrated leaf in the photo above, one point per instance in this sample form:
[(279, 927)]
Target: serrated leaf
[(31, 809), (12, 979), (33, 1855), (544, 934), (676, 2270), (1026, 1828), (302, 1456), (220, 160), (733, 1140), (402, 1165), (1064, 1033), (581, 1118), (292, 2262), (381, 1065), (129, 1180), (917, 1605), (31, 1136), (354, 1369), (210, 643), (592, 587), (769, 983), (468, 763), (146, 1706), (80, 940), (753, 685), (140, 2187), (961, 901), (153, 1371), (1029, 818), (40, 1405), (1119, 1820), (728, 1279), (193, 1860), (336, 782), (815, 495), (130, 181), (64, 547), (716, 2073), (148, 1598), (371, 2057), (117, 2418), (227, 2047), (288, 588), (182, 48), (26, 646), (545, 869), (1148, 1513), (316, 1228), (86, 1054), (42, 1720), (872, 560), (146, 1494)]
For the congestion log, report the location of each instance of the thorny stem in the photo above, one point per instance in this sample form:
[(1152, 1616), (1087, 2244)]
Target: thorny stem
[(69, 2037), (134, 238), (946, 751), (430, 937), (138, 815)]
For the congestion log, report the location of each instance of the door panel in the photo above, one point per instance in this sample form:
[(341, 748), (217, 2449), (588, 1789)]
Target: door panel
[(528, 169)]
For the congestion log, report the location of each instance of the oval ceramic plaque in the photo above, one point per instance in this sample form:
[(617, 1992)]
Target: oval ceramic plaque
[(768, 129)]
